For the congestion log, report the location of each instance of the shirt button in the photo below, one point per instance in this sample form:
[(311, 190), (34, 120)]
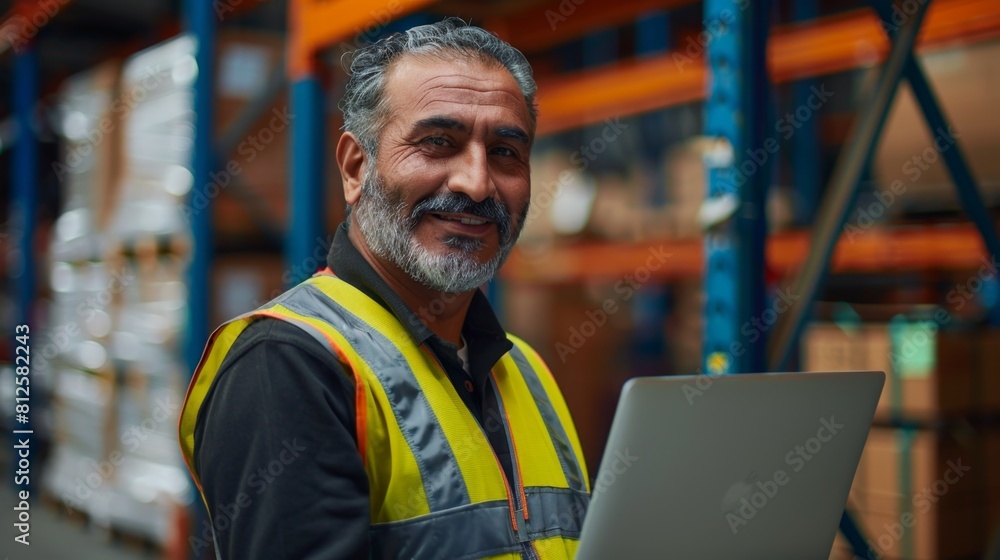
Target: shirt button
[(468, 386)]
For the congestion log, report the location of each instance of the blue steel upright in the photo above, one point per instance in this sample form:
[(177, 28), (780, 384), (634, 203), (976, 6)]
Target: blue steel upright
[(805, 145), (200, 19), (738, 168), (24, 179), (651, 304), (308, 201)]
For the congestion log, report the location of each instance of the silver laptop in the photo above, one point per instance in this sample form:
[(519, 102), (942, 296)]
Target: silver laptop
[(740, 466)]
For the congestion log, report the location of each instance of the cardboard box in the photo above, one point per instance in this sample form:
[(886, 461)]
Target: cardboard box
[(829, 347), (934, 535), (919, 493), (988, 382), (926, 469), (930, 373)]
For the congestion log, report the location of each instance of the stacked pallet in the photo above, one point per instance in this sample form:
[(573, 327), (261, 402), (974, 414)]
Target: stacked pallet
[(119, 389)]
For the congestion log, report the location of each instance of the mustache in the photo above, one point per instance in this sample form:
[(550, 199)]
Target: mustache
[(460, 203)]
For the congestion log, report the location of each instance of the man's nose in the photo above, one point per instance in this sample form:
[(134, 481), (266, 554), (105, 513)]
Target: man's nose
[(471, 175)]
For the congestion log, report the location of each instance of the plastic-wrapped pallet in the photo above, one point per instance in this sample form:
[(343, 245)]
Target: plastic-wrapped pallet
[(89, 123), (150, 482), (157, 88), (137, 483), (74, 348)]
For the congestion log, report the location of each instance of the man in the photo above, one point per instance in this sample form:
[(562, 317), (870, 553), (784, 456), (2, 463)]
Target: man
[(383, 412)]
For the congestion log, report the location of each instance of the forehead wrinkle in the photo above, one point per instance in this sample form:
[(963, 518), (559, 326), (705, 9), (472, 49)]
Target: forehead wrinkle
[(452, 88), (459, 94)]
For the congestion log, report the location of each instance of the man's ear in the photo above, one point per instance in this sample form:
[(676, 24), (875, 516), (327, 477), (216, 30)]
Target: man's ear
[(351, 160)]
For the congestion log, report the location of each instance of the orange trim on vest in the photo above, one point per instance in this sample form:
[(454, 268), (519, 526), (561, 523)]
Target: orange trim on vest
[(360, 401)]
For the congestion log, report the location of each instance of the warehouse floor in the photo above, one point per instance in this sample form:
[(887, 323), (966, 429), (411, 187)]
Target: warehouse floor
[(55, 537)]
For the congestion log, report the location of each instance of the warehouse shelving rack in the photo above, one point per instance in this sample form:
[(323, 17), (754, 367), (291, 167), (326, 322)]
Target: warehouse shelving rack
[(730, 78), (795, 52), (200, 20)]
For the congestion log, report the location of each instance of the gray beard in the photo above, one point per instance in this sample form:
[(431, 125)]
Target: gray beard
[(388, 231)]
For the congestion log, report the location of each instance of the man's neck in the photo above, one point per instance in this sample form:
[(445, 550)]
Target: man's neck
[(443, 313)]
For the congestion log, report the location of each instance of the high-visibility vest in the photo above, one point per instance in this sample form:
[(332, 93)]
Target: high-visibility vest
[(437, 489)]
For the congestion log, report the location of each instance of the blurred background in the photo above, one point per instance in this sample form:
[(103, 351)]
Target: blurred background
[(717, 188)]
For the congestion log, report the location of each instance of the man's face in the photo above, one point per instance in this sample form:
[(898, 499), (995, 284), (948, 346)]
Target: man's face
[(449, 191)]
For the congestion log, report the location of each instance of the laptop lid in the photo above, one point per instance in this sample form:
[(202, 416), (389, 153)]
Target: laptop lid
[(740, 466)]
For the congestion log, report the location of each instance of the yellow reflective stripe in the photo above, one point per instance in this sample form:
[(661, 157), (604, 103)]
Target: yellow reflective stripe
[(556, 548), (388, 455), (553, 423), (524, 418), (472, 452), (201, 381), (557, 400)]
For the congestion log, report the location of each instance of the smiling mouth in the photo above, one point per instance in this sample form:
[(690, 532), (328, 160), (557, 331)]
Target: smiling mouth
[(463, 219)]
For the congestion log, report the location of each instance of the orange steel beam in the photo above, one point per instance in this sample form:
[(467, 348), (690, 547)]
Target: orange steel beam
[(317, 24), (628, 88), (558, 21), (832, 44), (915, 248), (856, 39)]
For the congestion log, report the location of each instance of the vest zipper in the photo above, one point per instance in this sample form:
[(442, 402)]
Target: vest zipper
[(511, 498), (527, 547), (519, 497)]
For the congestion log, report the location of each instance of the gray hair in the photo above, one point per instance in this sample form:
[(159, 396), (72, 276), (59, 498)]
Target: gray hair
[(364, 105)]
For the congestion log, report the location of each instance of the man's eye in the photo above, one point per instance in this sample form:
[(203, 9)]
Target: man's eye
[(507, 152), (436, 141)]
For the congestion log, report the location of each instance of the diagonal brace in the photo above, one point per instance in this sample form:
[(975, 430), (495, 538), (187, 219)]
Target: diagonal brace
[(958, 166), (842, 191)]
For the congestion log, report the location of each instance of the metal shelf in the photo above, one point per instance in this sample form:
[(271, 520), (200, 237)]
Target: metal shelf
[(901, 249)]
